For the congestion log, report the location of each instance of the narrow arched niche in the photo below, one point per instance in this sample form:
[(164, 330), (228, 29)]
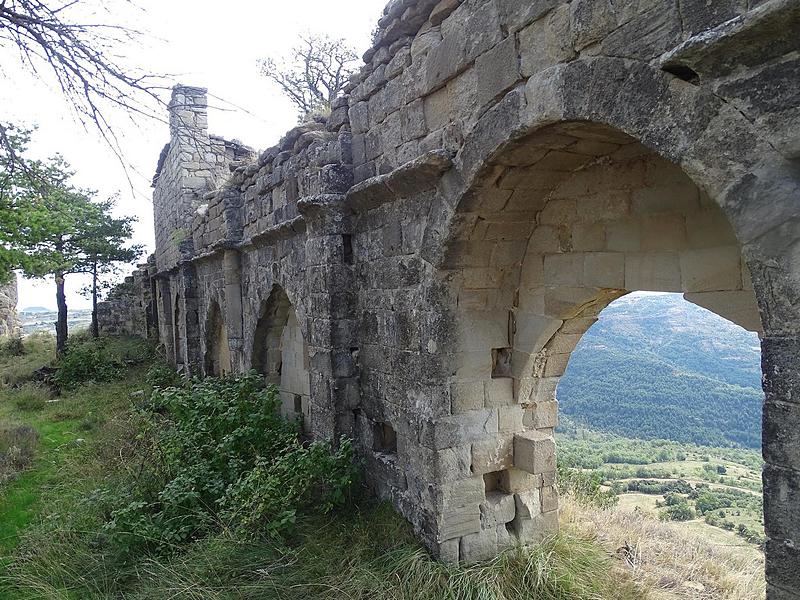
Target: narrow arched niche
[(178, 334), (280, 353), (217, 359)]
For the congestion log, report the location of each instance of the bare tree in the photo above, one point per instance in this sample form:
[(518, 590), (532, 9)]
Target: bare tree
[(314, 73), (51, 40)]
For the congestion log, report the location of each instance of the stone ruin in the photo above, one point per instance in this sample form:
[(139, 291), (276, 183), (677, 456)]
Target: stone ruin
[(9, 320), (414, 272)]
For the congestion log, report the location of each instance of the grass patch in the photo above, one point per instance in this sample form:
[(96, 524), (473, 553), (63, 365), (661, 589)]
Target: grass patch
[(17, 448), (363, 554), (19, 361), (382, 561), (70, 435), (30, 397)]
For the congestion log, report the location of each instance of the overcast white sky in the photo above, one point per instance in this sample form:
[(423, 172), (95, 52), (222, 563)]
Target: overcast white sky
[(210, 44)]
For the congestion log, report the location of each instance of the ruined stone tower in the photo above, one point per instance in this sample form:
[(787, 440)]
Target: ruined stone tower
[(415, 272)]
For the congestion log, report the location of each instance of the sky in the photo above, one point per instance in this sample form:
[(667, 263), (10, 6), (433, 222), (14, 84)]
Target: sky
[(213, 45)]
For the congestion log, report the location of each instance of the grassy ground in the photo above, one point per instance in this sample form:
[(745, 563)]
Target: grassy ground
[(67, 426), (674, 561), (53, 545)]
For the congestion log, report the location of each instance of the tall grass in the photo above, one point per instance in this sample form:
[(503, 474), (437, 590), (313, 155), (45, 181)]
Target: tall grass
[(18, 365), (17, 449), (671, 560), (366, 554)]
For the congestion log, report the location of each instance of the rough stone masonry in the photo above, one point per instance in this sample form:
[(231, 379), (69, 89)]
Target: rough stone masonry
[(415, 271)]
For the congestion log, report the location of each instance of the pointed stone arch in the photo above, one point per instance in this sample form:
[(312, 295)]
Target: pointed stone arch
[(533, 244), (217, 359), (280, 352)]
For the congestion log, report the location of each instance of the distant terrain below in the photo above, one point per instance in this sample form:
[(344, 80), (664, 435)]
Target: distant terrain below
[(657, 366), (36, 318)]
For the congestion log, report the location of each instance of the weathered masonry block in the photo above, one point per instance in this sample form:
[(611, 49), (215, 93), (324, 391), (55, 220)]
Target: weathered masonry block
[(415, 272)]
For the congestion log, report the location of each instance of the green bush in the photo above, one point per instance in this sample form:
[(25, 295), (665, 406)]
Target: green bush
[(677, 512), (163, 375), (221, 456), (87, 360), (13, 346)]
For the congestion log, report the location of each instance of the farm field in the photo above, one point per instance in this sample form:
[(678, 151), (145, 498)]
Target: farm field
[(716, 491)]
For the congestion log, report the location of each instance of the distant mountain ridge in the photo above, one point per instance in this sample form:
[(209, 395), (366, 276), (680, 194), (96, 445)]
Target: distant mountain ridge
[(657, 366), (36, 309)]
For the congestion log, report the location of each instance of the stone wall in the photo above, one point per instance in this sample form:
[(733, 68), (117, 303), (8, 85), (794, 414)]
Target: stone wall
[(419, 267), (9, 321), (128, 309)]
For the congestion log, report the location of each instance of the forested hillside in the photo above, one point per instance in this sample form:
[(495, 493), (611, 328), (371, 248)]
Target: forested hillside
[(656, 366)]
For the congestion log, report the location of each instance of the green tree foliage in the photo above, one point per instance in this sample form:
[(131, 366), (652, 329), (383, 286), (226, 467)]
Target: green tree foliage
[(680, 511), (50, 227)]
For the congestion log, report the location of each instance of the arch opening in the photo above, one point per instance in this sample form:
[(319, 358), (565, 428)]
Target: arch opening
[(178, 335), (557, 226), (280, 353), (217, 360), (663, 400)]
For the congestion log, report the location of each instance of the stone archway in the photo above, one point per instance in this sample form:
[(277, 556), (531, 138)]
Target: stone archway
[(557, 226), (217, 360), (738, 174), (281, 354)]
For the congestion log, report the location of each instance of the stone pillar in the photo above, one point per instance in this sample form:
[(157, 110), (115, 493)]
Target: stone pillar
[(191, 316), (233, 309), (332, 324), (780, 360)]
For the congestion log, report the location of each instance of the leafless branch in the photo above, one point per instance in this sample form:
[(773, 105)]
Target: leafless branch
[(82, 58), (314, 74)]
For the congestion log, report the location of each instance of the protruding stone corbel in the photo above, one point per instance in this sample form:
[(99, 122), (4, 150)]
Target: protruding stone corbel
[(415, 176), (315, 206), (534, 452)]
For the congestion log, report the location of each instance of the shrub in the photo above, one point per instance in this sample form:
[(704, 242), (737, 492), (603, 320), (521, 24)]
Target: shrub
[(677, 512), (586, 487), (222, 456), (13, 346), (163, 375), (85, 361)]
